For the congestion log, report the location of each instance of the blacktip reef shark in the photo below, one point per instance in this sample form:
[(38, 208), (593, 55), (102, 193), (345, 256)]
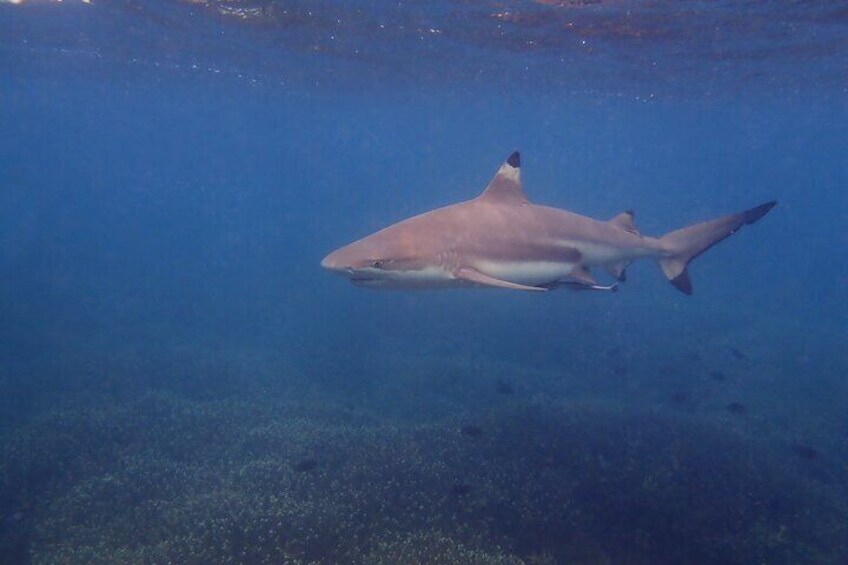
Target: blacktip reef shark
[(502, 240)]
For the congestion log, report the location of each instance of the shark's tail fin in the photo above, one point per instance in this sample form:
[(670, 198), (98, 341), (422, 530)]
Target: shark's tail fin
[(683, 245)]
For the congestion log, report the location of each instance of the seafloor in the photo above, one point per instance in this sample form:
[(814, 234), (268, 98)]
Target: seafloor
[(244, 458)]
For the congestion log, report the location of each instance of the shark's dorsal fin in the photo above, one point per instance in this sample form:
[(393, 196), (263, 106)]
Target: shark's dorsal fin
[(625, 221), (505, 188)]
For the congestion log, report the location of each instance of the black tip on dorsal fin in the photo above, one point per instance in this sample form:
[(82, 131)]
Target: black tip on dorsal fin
[(505, 188)]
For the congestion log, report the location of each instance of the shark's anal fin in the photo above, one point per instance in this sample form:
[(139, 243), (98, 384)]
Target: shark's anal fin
[(475, 276), (617, 271)]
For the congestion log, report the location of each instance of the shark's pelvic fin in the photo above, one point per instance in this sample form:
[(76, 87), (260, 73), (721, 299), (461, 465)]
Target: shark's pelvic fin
[(475, 276), (505, 188), (581, 275), (683, 245), (625, 221)]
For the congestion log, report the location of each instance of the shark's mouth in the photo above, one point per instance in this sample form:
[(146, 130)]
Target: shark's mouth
[(373, 283), (357, 277), (354, 276)]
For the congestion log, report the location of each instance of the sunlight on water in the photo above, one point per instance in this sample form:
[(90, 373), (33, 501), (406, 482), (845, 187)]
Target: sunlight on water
[(644, 49)]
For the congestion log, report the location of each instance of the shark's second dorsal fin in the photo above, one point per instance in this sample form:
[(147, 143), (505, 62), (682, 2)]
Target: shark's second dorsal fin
[(625, 222), (505, 188)]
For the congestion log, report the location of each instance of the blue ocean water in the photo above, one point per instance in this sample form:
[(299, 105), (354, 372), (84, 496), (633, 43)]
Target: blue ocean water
[(180, 381)]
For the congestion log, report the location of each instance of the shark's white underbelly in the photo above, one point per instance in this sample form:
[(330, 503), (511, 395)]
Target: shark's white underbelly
[(529, 273), (593, 254), (543, 271)]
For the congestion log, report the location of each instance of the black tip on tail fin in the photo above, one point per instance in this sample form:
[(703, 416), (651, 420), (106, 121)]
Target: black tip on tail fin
[(514, 160), (755, 214), (682, 282), (680, 247)]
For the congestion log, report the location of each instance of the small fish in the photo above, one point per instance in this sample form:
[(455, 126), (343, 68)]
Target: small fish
[(503, 387), (737, 408), (738, 355), (471, 430), (805, 451), (718, 376), (305, 465)]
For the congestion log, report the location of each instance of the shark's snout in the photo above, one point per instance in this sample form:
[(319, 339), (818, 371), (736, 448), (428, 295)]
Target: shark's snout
[(339, 262), (334, 263)]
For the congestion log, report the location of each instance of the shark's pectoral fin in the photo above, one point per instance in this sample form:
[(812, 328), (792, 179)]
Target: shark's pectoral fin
[(476, 277)]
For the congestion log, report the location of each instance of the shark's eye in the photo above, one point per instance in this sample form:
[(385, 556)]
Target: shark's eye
[(377, 264)]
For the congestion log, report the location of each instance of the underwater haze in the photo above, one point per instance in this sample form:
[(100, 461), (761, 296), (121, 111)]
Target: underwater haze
[(181, 381)]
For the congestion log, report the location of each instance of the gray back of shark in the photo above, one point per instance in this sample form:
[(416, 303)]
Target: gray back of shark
[(500, 239)]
